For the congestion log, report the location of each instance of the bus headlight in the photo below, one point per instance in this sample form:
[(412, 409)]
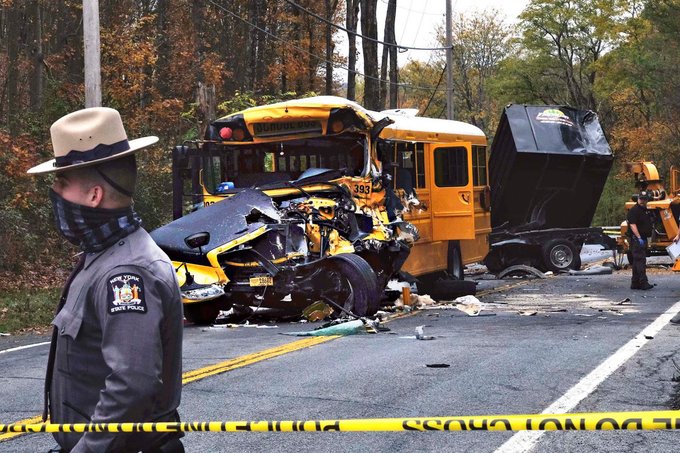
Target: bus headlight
[(202, 293)]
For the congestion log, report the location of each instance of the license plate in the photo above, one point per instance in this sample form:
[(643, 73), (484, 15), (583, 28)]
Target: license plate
[(265, 280)]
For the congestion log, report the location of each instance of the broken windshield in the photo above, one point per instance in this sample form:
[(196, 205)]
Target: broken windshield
[(239, 166)]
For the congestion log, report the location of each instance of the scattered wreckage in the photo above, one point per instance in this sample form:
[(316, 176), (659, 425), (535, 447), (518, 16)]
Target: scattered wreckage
[(295, 222), (256, 250), (319, 199)]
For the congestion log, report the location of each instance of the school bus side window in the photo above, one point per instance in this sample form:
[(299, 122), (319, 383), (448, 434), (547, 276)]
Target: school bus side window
[(405, 175), (479, 165), (450, 167)]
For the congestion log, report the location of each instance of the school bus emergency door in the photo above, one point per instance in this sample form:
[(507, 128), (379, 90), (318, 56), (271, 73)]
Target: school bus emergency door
[(452, 194)]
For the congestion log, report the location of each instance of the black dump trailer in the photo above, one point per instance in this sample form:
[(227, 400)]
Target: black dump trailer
[(548, 166)]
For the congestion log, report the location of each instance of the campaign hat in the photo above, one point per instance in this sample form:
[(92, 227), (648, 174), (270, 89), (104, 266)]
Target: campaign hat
[(89, 137)]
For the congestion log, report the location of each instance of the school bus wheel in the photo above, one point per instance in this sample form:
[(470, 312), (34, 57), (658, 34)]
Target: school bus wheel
[(351, 283), (455, 266), (201, 313)]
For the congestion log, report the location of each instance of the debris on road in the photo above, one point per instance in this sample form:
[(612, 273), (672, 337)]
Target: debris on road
[(520, 271), (595, 270), (317, 311), (625, 301), (415, 301), (437, 365), (420, 334), (235, 326), (354, 327), (475, 269), (528, 313), (469, 305)]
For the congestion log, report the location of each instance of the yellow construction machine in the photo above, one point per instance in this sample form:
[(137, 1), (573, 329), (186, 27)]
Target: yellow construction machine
[(663, 207)]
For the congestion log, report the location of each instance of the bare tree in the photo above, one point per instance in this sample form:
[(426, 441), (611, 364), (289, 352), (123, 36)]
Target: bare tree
[(369, 28), (351, 23), (481, 41), (391, 52), (331, 7), (12, 72), (36, 49)]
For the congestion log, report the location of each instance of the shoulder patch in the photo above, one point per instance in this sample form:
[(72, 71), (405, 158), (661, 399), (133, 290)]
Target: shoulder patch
[(126, 294)]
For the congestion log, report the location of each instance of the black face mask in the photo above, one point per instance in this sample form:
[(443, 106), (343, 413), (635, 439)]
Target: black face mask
[(92, 229)]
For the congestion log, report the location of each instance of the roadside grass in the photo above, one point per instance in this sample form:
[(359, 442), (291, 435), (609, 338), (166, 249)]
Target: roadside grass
[(29, 309)]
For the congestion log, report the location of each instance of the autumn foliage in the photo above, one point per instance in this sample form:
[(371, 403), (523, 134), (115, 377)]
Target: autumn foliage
[(170, 66)]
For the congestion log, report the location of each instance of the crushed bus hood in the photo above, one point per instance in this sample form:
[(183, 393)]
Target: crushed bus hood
[(234, 217)]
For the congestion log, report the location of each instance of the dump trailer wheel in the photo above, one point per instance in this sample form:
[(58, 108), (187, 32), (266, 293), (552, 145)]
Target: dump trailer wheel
[(494, 260), (350, 282), (455, 261), (201, 313), (561, 255)]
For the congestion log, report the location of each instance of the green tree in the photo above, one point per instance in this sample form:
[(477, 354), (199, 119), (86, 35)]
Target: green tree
[(560, 45), (641, 84), (481, 39)]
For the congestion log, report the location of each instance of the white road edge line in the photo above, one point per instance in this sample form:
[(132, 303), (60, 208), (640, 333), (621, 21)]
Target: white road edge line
[(19, 348), (524, 441)]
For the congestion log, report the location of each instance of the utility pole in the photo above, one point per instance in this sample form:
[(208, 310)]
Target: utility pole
[(93, 77), (449, 62)]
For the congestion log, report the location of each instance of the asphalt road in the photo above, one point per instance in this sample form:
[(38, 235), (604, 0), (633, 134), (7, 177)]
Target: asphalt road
[(502, 362)]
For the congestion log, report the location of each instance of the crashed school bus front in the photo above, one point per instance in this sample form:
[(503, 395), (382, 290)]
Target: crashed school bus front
[(290, 204)]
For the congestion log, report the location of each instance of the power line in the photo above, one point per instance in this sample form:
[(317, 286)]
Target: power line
[(434, 91), (414, 11), (403, 30), (321, 59), (339, 27), (420, 23)]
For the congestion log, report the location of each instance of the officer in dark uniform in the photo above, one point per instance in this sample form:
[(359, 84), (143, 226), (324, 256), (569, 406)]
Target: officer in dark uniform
[(116, 353), (639, 229)]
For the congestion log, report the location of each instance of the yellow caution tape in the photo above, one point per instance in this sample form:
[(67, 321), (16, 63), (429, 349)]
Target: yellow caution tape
[(650, 420)]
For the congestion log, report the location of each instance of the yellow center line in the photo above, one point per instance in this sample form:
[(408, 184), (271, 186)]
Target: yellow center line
[(502, 288), (218, 368), (244, 360), (249, 359)]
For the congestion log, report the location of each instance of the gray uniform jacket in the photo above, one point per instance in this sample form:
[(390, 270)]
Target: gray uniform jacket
[(119, 347)]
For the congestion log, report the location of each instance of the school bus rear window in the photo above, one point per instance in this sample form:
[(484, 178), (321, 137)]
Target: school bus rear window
[(450, 167), (478, 165)]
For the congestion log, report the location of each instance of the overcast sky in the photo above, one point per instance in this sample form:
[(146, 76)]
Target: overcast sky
[(417, 21)]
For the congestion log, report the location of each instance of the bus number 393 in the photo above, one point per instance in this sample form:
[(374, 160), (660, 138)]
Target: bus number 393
[(362, 189)]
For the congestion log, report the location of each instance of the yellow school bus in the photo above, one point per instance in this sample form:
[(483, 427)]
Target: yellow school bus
[(287, 193), (440, 173)]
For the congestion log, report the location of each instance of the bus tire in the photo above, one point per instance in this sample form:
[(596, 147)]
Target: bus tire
[(560, 255), (455, 266), (201, 313), (446, 289), (352, 280)]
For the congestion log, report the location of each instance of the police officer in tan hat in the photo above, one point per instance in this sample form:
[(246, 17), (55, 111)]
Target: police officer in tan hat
[(117, 341)]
